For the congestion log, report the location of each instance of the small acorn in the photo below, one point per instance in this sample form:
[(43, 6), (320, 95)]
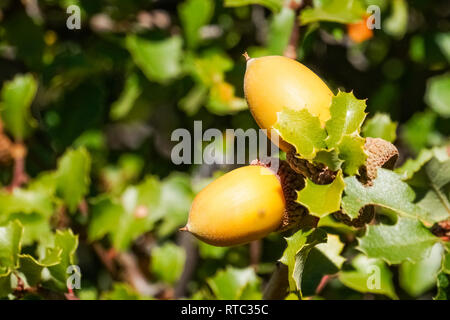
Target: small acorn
[(273, 83), (246, 204)]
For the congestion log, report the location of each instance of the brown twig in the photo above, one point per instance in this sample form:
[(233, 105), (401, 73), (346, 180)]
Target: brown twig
[(186, 241), (277, 287), (255, 253), (291, 49), (18, 153)]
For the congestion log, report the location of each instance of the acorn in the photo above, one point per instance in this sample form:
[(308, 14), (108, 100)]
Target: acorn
[(246, 204), (273, 83)]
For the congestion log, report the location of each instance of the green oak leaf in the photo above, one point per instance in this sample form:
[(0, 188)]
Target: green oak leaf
[(417, 278), (388, 191), (443, 285), (437, 95), (411, 166), (295, 255), (321, 200), (16, 98), (194, 14), (123, 291), (351, 151), (380, 126), (72, 176), (323, 259), (347, 115), (65, 245), (141, 211), (330, 158), (26, 202), (32, 269), (280, 30), (105, 215), (274, 5), (407, 240), (174, 213), (10, 245), (235, 284), (370, 275), (302, 130), (159, 60), (5, 283), (130, 93), (167, 262), (340, 11), (432, 185)]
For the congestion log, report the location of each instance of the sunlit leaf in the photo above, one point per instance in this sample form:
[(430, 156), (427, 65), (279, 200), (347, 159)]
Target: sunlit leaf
[(16, 98), (321, 200), (302, 130), (380, 126), (159, 60), (370, 275), (407, 240), (73, 176), (167, 262)]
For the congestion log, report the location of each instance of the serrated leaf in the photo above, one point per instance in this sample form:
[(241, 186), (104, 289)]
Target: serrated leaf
[(194, 14), (330, 158), (417, 278), (380, 126), (411, 166), (341, 11), (370, 275), (274, 5), (298, 248), (321, 200), (158, 60), (407, 240), (324, 259), (73, 176), (66, 243), (230, 284), (32, 269), (388, 191), (351, 151), (17, 96), (167, 262), (10, 245), (347, 115), (302, 130), (429, 175)]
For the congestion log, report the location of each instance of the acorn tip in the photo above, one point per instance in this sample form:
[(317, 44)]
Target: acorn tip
[(246, 56), (185, 228)]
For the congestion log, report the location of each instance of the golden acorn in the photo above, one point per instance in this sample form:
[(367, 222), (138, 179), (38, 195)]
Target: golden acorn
[(246, 204), (272, 83)]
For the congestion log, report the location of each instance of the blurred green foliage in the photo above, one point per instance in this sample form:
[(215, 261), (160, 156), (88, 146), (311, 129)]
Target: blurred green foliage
[(95, 109)]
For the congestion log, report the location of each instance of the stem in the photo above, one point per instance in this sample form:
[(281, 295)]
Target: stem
[(291, 49), (277, 287), (18, 153)]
